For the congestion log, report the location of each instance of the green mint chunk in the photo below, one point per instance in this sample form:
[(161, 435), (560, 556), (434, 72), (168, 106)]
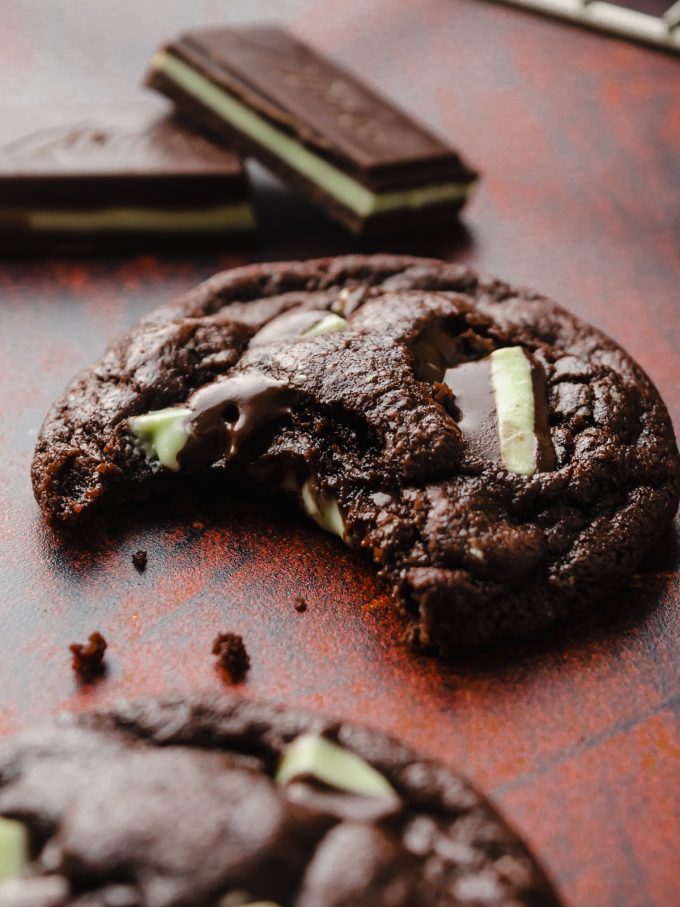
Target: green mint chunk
[(13, 849), (163, 433), (513, 389), (240, 899), (324, 760), (322, 509)]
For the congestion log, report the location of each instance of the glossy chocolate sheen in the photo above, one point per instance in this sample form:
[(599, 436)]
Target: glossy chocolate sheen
[(476, 406), (133, 155), (227, 412), (472, 386), (321, 105)]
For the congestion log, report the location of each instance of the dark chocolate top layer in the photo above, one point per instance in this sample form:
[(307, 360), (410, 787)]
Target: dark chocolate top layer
[(174, 803), (470, 552), (321, 104), (136, 153)]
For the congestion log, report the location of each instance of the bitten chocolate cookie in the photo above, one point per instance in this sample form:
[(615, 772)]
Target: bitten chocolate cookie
[(502, 462), (227, 802)]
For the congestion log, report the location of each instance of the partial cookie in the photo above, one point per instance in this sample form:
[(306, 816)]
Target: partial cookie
[(227, 802), (502, 462)]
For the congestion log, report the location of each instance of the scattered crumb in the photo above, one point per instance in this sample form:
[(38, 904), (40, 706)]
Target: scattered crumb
[(377, 603), (88, 660), (232, 657), (300, 604), (139, 559)]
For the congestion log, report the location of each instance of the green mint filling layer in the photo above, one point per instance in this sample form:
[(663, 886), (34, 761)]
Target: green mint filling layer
[(217, 218), (13, 849), (344, 188), (163, 433), (327, 325), (514, 395), (311, 755), (323, 510)]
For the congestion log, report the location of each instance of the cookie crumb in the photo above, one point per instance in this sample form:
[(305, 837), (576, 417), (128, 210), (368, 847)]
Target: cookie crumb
[(232, 656), (300, 604), (139, 559), (88, 659)]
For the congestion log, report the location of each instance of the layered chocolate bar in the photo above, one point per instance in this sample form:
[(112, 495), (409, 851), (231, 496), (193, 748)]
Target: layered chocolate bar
[(120, 174), (348, 149)]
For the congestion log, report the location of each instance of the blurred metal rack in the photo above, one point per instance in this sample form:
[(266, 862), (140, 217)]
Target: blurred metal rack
[(660, 31)]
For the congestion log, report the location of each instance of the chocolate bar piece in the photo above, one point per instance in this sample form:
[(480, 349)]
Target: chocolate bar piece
[(351, 151), (124, 173)]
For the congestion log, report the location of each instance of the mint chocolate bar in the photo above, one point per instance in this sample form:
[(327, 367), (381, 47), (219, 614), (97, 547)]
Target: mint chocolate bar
[(349, 150), (117, 175)]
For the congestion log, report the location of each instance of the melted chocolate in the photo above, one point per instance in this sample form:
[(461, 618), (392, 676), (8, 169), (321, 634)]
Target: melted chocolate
[(435, 351), (471, 384), (228, 412), (545, 452), (475, 400)]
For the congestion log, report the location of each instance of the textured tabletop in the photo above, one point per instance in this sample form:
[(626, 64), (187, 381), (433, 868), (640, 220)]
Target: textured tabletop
[(577, 736)]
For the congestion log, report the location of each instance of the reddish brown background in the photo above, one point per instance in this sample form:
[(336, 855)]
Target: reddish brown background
[(578, 735)]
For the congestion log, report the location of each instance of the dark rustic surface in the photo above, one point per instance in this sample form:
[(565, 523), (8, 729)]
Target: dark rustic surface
[(576, 736)]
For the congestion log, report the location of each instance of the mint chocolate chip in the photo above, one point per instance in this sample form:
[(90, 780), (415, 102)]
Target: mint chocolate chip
[(327, 762), (13, 848), (513, 388), (327, 325), (163, 433)]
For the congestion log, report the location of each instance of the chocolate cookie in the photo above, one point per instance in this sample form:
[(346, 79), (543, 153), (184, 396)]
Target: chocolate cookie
[(502, 462), (228, 802)]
